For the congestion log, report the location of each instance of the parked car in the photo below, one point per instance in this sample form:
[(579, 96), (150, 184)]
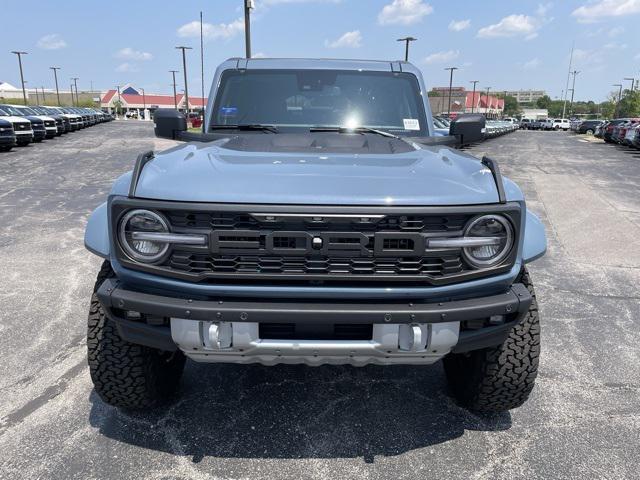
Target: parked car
[(62, 124), (560, 124), (7, 135), (636, 139), (37, 124), (609, 129), (546, 124), (22, 127), (524, 123), (305, 238), (50, 128), (536, 124), (589, 126), (629, 134), (73, 121)]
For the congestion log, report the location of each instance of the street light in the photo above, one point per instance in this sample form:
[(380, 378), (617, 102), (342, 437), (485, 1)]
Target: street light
[(24, 92), (573, 89), (451, 69), (184, 69), (144, 105), (407, 40), (633, 82), (175, 97), (486, 111), (615, 113), (473, 95), (55, 76), (75, 82), (248, 5)]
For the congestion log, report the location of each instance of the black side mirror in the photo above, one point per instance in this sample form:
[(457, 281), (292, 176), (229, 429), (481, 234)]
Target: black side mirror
[(468, 128), (169, 123)]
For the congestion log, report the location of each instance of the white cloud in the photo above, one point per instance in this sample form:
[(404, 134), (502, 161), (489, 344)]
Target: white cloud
[(615, 31), (348, 40), (637, 57), (615, 46), (126, 67), (211, 31), (442, 57), (532, 64), (129, 53), (511, 26), (259, 55), (599, 9), (52, 41), (543, 9), (404, 12), (459, 25)]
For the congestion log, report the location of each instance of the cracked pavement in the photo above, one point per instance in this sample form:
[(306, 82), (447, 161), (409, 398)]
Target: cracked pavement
[(292, 422)]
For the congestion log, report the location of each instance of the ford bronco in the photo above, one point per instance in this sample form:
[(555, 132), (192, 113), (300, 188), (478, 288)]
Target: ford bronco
[(316, 220)]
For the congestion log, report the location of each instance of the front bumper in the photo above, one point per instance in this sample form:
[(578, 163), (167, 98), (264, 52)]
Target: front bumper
[(7, 140), (403, 332)]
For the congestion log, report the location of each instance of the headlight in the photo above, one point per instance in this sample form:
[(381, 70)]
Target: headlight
[(132, 225), (495, 227)]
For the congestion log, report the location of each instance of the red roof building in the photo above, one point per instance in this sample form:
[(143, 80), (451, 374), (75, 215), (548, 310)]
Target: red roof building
[(134, 99), (464, 101)]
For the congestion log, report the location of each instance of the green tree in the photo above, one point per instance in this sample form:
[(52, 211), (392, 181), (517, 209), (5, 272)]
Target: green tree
[(629, 105), (511, 106), (544, 102)]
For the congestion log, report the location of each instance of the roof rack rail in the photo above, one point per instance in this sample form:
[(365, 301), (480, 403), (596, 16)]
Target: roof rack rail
[(492, 165), (141, 161)]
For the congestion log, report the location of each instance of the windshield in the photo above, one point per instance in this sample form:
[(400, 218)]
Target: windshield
[(14, 111), (321, 98)]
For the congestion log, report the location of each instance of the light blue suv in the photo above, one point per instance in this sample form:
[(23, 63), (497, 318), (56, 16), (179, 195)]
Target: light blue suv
[(317, 219)]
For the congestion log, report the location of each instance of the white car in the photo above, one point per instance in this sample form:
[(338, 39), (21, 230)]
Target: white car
[(546, 124), (49, 123), (561, 123), (21, 126), (75, 120)]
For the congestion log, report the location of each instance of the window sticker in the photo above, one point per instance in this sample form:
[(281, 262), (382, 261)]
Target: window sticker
[(411, 124), (229, 111)]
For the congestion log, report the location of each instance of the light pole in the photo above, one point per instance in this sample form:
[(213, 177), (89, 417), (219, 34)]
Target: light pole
[(37, 96), (55, 76), (248, 5), (175, 98), (24, 92), (573, 89), (451, 69), (119, 101), (75, 82), (633, 82), (407, 40), (486, 111), (184, 69), (473, 95), (615, 113), (43, 99), (144, 105)]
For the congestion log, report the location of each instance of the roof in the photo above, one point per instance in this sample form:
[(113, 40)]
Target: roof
[(320, 63)]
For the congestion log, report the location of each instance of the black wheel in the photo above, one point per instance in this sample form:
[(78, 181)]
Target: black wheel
[(125, 374), (499, 378), (589, 132)]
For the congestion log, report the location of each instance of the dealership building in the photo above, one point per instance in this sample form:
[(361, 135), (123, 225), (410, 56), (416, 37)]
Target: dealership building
[(133, 99), (464, 101)]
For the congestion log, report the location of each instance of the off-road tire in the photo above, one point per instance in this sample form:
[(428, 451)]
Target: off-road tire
[(499, 378), (124, 374)]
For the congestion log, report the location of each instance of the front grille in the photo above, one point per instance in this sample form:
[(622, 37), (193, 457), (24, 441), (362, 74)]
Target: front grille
[(278, 245), (434, 266), (22, 126)]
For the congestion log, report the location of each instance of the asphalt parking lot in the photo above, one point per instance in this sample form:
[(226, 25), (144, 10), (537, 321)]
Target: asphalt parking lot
[(294, 422)]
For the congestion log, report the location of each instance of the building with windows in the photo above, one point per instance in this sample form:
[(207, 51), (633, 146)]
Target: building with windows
[(133, 99), (526, 96)]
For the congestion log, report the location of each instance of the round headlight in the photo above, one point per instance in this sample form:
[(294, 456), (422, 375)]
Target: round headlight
[(145, 221), (494, 227)]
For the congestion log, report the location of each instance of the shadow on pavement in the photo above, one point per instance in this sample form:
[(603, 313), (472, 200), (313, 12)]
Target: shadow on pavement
[(287, 411)]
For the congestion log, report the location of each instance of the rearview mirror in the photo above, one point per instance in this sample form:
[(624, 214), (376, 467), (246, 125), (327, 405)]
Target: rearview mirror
[(169, 123), (468, 128)]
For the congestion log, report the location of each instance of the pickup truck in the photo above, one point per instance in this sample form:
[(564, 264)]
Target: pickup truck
[(316, 220)]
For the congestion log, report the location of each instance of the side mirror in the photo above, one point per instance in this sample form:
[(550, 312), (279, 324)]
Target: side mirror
[(169, 123), (468, 128)]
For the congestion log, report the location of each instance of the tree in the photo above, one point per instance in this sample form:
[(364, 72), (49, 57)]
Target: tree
[(511, 106), (544, 102), (629, 105)]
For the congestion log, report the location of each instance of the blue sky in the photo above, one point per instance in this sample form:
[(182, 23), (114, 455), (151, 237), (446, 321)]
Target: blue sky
[(503, 44)]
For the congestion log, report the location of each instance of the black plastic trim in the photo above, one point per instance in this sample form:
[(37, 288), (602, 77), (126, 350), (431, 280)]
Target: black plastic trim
[(141, 161), (112, 295), (497, 177)]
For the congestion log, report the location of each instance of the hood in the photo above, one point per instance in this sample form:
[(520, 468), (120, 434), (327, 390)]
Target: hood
[(198, 172), (34, 119), (14, 119)]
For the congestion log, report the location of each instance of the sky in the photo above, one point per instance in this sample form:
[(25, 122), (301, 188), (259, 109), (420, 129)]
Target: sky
[(504, 44)]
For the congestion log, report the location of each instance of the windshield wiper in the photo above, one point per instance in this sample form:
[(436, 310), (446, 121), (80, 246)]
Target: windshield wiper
[(352, 130), (247, 126)]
